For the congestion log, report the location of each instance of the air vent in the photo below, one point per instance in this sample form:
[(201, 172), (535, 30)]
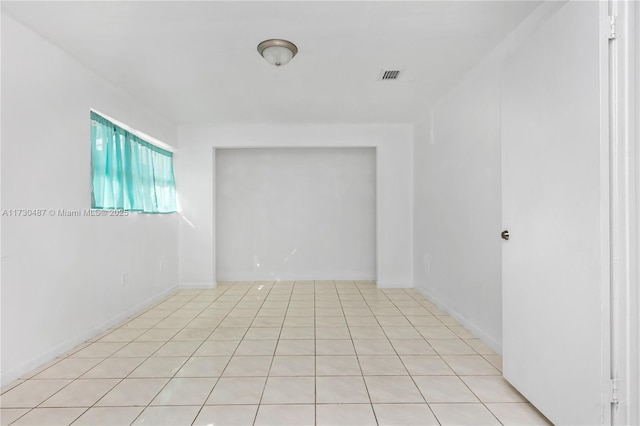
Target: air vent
[(390, 75)]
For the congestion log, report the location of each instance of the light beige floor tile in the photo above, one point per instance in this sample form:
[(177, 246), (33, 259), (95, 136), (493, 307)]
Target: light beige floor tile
[(324, 333), (217, 348), (237, 390), (296, 347), (330, 322), (243, 312), (346, 304), (122, 335), (293, 365), (414, 310), (248, 366), (380, 310), (69, 368), (273, 312), (99, 350), (228, 333), (156, 313), (392, 389), (12, 385), (268, 322), (300, 312), (256, 347), (50, 416), (297, 333), (113, 368), (204, 367), (361, 321), (433, 333), (185, 312), (463, 414), (341, 390), (329, 312), (412, 347), (520, 414), (139, 349), (462, 332), (168, 416), (270, 303), (345, 415), (208, 323), (492, 389), (495, 360), (444, 389), (470, 365), (334, 347), (226, 415), (239, 322), (157, 335), (10, 415), (286, 415), (108, 416), (159, 367), (381, 365), (185, 391), (289, 390), (446, 319), (299, 322), (404, 415), (358, 312), (424, 320), (81, 393), (215, 312), (180, 349), (374, 347), (426, 365), (394, 332), (451, 347), (133, 392), (192, 335), (260, 333), (31, 393), (394, 321), (367, 333), (173, 323), (337, 365)]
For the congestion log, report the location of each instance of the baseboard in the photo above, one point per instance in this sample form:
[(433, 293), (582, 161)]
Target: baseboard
[(37, 361), (260, 277), (197, 285), (393, 284), (466, 322)]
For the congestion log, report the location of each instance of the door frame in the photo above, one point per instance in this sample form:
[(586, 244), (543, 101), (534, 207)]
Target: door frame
[(623, 108)]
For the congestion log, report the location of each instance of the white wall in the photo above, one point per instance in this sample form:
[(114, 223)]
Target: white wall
[(457, 193), (61, 276), (194, 163), (295, 213), (457, 206)]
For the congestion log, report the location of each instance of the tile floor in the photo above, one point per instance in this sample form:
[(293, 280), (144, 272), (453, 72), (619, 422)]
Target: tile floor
[(285, 353)]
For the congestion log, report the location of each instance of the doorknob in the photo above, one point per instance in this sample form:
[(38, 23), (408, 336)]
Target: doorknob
[(505, 234)]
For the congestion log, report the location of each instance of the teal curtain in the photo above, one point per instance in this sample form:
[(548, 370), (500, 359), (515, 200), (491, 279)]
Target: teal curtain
[(129, 173)]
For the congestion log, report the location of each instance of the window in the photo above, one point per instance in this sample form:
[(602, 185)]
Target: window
[(129, 173)]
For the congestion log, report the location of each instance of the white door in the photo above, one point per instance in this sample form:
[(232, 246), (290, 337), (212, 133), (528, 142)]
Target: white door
[(555, 264)]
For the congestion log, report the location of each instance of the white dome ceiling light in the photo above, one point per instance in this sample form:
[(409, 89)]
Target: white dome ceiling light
[(277, 52)]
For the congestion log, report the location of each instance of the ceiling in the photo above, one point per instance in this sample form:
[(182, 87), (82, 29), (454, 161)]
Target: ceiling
[(196, 62)]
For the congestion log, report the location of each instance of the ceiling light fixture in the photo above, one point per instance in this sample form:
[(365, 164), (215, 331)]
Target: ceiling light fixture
[(277, 52)]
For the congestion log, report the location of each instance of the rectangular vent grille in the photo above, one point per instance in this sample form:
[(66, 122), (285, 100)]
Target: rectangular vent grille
[(390, 75)]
